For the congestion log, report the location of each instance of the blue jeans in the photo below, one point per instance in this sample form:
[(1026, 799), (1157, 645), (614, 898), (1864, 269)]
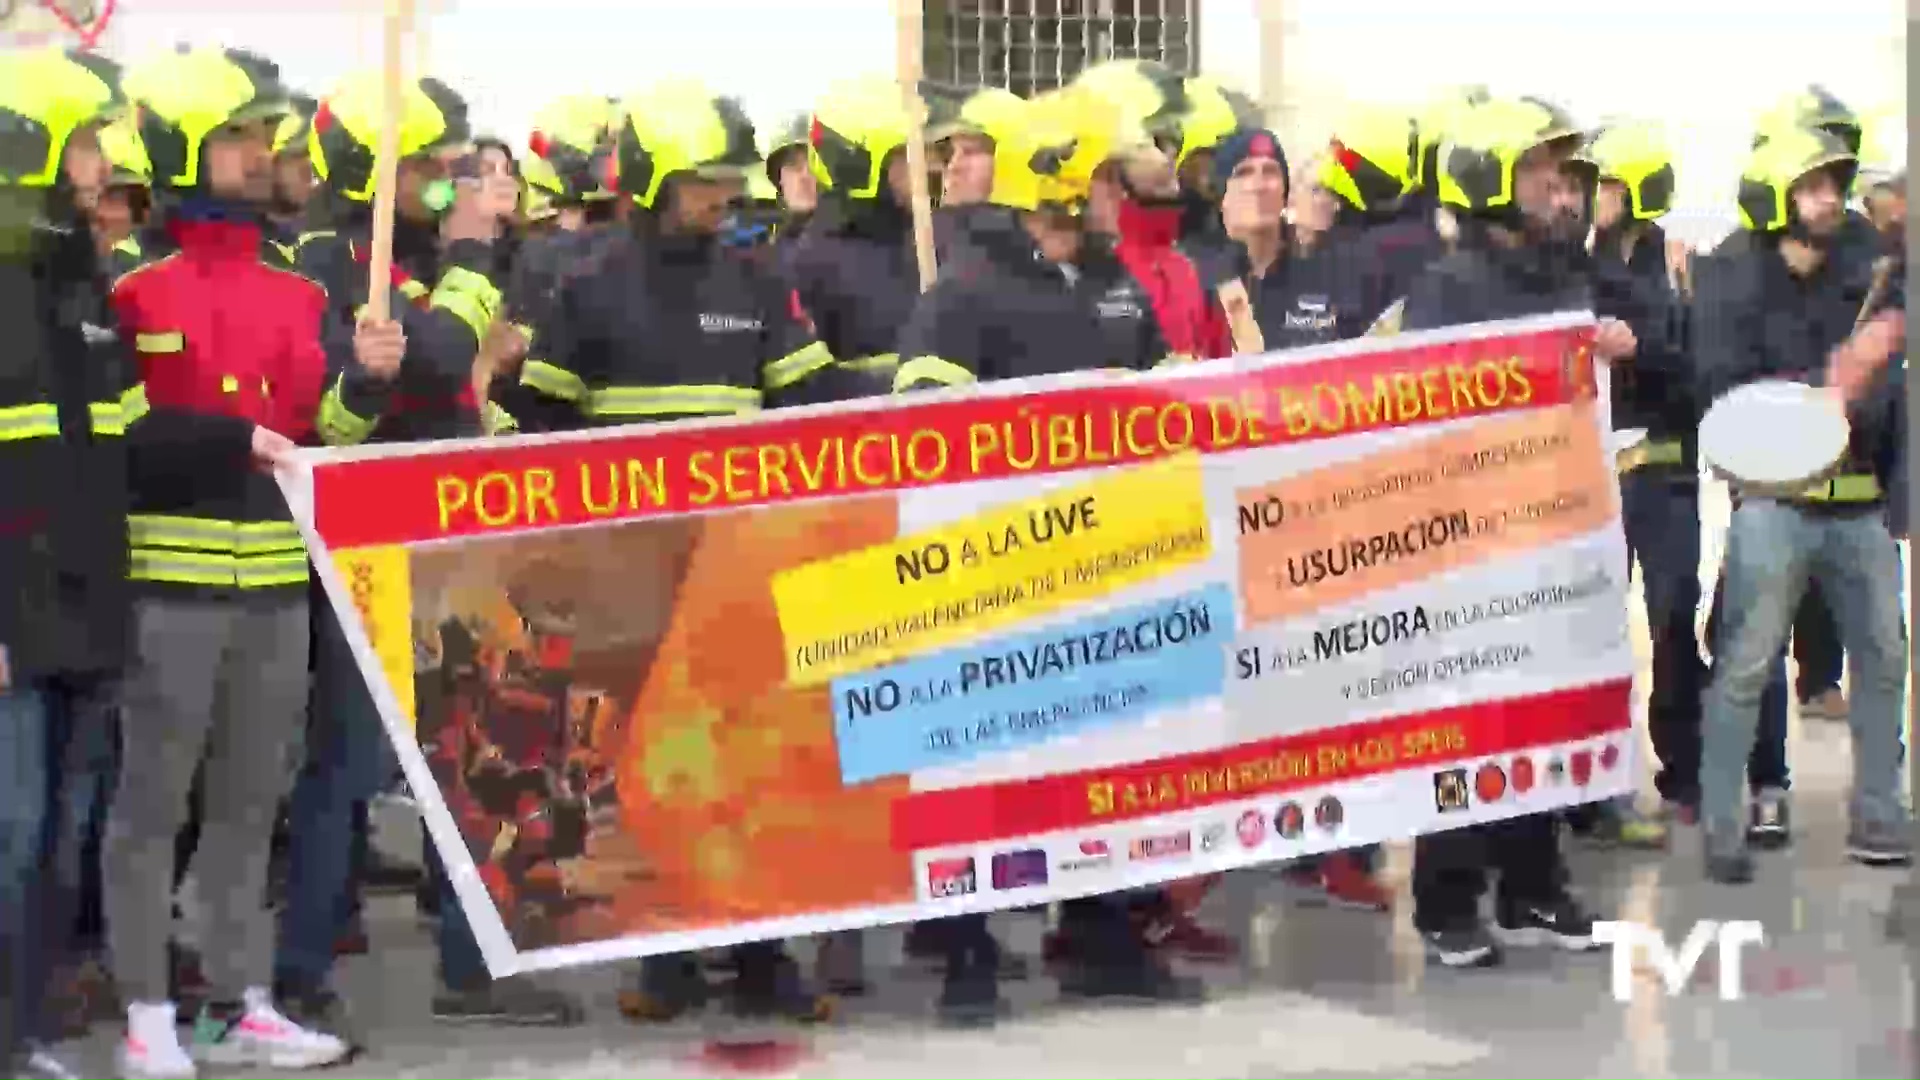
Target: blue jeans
[(345, 765), (461, 965), (56, 761), (1773, 550)]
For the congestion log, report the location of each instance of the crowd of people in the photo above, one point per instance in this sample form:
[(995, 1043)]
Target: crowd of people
[(186, 268)]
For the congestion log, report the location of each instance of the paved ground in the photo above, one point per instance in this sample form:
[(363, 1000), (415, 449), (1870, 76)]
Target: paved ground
[(1321, 993)]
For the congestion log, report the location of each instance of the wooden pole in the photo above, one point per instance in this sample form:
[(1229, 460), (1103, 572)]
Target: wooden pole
[(909, 19), (386, 164)]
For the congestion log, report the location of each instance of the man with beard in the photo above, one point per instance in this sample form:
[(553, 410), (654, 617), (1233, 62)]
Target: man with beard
[(1507, 177), (221, 629), (293, 180), (1796, 304)]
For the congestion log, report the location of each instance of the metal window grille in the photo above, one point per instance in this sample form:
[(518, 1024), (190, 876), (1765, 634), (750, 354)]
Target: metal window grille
[(1029, 46)]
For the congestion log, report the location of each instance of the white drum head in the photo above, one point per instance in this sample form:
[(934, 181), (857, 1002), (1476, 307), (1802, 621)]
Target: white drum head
[(1775, 434)]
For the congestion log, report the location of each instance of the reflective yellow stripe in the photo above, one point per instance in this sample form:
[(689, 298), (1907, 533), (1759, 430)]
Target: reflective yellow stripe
[(469, 296), (1174, 360), (115, 417), (495, 420), (168, 342), (671, 401), (878, 364), (339, 425), (29, 422), (795, 366), (287, 251), (552, 380), (412, 289), (211, 536), (1650, 452), (1851, 487), (221, 571), (922, 370), (129, 246)]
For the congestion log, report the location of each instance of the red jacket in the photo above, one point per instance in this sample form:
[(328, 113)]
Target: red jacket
[(216, 330), (1190, 318), (228, 343)]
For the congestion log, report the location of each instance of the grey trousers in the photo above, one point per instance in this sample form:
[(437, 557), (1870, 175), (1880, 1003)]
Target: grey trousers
[(222, 681)]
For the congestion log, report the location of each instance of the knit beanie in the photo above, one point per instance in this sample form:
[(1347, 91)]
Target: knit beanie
[(1245, 143)]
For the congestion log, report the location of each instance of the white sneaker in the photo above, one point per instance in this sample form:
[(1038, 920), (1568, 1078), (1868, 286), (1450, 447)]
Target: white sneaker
[(261, 1036), (151, 1049)]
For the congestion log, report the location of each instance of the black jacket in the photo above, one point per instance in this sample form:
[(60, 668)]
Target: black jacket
[(855, 273), (1753, 320), (73, 420), (1482, 283), (1004, 312), (444, 301), (1655, 389), (1392, 248), (1307, 297), (666, 328)]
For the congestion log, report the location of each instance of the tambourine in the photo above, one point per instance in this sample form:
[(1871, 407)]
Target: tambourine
[(1775, 438)]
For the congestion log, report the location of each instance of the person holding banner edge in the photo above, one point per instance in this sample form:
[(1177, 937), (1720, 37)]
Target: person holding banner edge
[(1506, 172), (1795, 305)]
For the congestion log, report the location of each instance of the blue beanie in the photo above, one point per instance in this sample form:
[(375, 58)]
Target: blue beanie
[(1245, 143)]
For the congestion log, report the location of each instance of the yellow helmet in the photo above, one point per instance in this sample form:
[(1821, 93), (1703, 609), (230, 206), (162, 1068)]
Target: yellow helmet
[(1475, 167), (1813, 107), (1040, 161), (1637, 156), (1436, 124), (989, 112), (854, 130), (680, 126), (566, 134), (1213, 113), (188, 94), (542, 177), (1783, 160), (1148, 94), (432, 117), (120, 141), (1373, 158), (45, 96)]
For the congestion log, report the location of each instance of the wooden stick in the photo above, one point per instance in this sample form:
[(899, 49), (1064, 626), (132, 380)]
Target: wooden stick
[(908, 16), (386, 163)]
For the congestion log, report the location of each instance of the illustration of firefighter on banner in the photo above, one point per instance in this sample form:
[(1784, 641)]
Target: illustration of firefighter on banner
[(664, 689)]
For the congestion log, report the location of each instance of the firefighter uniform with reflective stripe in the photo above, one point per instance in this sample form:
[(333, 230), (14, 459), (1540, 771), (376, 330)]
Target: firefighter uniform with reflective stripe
[(219, 334), (1009, 314), (669, 329), (443, 301), (854, 273)]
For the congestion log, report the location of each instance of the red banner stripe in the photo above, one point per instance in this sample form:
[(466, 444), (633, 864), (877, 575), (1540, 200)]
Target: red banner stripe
[(1426, 740), (551, 482)]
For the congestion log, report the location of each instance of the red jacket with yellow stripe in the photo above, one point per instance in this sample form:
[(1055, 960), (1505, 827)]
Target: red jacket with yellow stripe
[(225, 338)]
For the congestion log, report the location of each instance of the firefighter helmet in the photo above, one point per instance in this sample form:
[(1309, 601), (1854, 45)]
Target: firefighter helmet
[(188, 94), (1814, 108), (988, 112), (679, 126), (1213, 113), (291, 136), (855, 129), (120, 141), (791, 137), (45, 96), (1786, 158), (1436, 124), (1636, 156), (566, 134), (1147, 93), (1476, 164), (347, 124), (1373, 158), (1046, 160)]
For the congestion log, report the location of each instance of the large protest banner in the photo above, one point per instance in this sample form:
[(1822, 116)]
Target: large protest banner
[(680, 687)]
